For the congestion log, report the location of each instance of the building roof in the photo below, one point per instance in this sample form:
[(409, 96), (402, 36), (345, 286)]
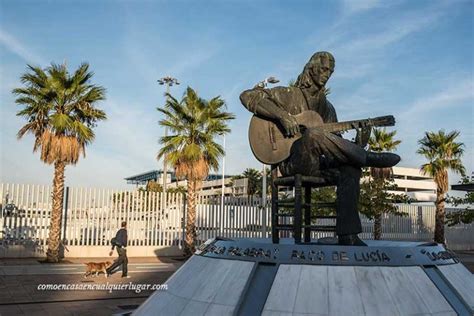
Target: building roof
[(143, 178), (469, 187)]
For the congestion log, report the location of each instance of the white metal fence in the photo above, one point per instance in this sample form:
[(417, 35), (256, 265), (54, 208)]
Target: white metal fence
[(92, 216), (244, 217)]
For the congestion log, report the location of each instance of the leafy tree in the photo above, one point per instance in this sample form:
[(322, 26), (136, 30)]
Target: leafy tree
[(194, 123), (443, 153), (323, 196), (61, 114), (153, 186), (466, 214), (375, 198), (177, 190)]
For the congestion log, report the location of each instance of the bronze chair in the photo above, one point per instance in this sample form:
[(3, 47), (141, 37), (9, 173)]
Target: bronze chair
[(302, 201)]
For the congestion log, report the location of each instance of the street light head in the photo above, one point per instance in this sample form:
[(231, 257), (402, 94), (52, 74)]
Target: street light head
[(168, 80)]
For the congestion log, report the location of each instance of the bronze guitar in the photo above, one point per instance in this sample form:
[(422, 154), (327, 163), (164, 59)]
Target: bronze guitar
[(270, 145)]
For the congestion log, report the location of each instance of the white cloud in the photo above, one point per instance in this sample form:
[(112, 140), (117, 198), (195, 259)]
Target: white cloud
[(450, 97), (129, 134), (396, 31), (350, 40), (428, 113), (351, 7), (192, 60), (177, 59), (15, 46)]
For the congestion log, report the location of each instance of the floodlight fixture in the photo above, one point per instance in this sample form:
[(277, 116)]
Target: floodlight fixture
[(168, 80)]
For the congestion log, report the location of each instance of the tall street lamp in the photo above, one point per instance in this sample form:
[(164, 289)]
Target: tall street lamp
[(263, 84), (168, 81), (222, 186)]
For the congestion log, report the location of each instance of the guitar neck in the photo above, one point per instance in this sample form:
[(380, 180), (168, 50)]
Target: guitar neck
[(347, 125)]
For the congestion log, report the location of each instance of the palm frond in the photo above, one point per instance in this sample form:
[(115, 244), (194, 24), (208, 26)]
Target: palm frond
[(443, 153), (60, 110), (195, 123), (380, 141)]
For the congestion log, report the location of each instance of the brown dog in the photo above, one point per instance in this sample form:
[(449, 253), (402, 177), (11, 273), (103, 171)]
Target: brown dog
[(96, 267)]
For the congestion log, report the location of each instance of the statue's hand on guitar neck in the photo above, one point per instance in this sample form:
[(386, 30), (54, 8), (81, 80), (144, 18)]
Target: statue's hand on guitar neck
[(290, 124)]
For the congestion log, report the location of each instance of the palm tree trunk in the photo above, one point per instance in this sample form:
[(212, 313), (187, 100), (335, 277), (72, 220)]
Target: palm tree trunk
[(378, 226), (52, 255), (439, 217), (189, 247)]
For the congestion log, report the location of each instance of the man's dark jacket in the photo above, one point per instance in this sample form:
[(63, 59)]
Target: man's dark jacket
[(120, 238)]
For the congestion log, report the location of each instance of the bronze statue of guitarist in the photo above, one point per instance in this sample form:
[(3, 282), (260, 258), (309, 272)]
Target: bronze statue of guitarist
[(317, 151)]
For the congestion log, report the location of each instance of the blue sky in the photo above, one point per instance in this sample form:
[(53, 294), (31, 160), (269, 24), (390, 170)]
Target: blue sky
[(412, 59)]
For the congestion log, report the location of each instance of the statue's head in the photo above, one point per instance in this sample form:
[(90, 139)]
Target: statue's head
[(317, 71)]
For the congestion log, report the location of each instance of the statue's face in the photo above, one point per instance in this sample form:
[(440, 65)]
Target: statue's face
[(321, 71)]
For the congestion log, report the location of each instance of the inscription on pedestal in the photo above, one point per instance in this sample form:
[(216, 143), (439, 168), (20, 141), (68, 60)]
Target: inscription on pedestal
[(326, 254)]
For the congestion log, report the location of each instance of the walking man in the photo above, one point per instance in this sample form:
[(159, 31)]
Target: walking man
[(120, 241)]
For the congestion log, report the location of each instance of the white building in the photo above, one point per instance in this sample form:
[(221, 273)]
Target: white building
[(410, 181), (413, 183), (236, 187)]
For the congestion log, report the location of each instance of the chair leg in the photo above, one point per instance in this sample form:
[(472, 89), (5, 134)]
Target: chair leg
[(275, 233), (298, 223), (307, 214)]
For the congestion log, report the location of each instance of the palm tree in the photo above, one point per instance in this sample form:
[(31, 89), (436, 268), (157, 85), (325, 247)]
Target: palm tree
[(191, 149), (443, 154), (60, 110), (380, 141), (253, 179)]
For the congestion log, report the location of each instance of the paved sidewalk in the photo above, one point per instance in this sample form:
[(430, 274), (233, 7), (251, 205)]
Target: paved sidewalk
[(79, 268), (36, 261), (20, 279)]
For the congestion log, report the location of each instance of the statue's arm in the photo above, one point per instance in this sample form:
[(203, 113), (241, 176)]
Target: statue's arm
[(259, 102)]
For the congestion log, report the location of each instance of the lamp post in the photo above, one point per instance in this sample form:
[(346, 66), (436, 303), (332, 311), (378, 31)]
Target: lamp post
[(222, 187), (168, 81), (263, 84)]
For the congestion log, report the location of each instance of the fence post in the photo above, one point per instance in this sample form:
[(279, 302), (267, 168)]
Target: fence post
[(264, 217), (65, 208), (222, 221)]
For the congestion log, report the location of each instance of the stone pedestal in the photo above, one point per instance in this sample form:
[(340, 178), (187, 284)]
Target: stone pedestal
[(254, 276)]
